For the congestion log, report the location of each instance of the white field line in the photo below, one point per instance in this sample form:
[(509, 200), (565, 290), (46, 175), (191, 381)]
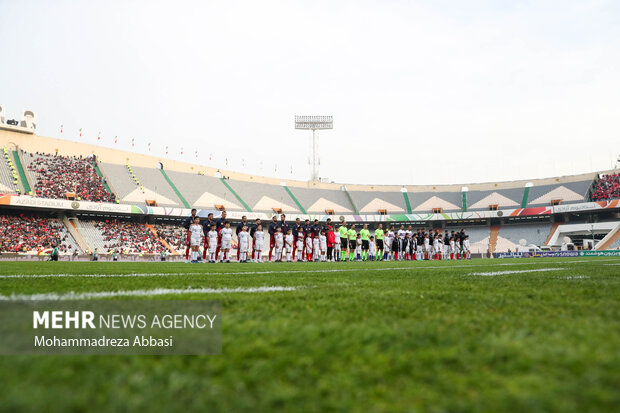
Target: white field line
[(574, 277), (139, 293), (164, 274), (494, 273)]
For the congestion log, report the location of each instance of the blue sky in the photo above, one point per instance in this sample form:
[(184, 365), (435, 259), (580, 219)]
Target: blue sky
[(421, 92)]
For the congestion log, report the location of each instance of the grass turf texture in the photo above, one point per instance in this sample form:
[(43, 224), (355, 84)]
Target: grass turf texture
[(426, 338)]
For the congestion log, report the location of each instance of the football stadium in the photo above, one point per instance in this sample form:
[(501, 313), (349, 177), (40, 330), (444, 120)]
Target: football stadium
[(144, 276)]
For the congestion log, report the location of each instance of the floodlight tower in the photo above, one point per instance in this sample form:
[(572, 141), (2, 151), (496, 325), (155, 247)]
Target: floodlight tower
[(314, 123)]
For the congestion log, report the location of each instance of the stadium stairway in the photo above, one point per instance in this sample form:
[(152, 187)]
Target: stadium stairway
[(554, 227), (70, 223), (163, 241), (8, 174), (176, 191), (351, 202), (493, 238), (526, 195), (23, 176), (609, 239), (247, 208), (301, 208), (104, 180), (407, 202)]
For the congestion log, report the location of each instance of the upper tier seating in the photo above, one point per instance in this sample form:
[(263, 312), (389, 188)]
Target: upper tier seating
[(54, 176), (204, 192), (571, 192), (607, 187)]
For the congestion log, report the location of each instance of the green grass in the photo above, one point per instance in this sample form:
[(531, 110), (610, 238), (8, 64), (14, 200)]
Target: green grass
[(425, 338)]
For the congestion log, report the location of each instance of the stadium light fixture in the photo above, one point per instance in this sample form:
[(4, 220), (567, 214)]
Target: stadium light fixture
[(314, 123)]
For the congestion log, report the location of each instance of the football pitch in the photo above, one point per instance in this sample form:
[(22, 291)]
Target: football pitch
[(482, 335)]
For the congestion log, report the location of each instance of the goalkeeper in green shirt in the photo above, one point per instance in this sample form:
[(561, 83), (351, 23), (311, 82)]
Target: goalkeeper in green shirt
[(365, 234)]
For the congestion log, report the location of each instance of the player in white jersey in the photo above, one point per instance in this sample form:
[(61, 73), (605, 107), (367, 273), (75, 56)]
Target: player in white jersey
[(427, 247), (437, 247), (244, 244), (337, 245), (212, 242), (358, 247), (372, 248), (279, 241), (308, 247), (195, 240), (467, 248), (300, 246), (259, 236), (316, 251), (289, 239), (323, 246), (387, 246), (452, 248), (226, 237)]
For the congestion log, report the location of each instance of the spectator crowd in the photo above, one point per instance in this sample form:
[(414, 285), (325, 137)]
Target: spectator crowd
[(607, 187), (56, 175), (175, 236), (24, 233), (128, 237)]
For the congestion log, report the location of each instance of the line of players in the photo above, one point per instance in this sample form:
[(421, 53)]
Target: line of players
[(316, 242)]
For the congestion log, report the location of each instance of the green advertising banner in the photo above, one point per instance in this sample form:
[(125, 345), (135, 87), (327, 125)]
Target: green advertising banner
[(602, 253)]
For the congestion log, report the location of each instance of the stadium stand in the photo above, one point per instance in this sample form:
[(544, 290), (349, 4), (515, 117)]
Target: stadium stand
[(318, 200), (264, 197), (174, 235), (615, 245), (138, 184), (606, 187), (55, 176), (568, 192), (535, 233), (204, 192), (425, 202), (31, 233), (123, 236), (370, 202), (503, 198)]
